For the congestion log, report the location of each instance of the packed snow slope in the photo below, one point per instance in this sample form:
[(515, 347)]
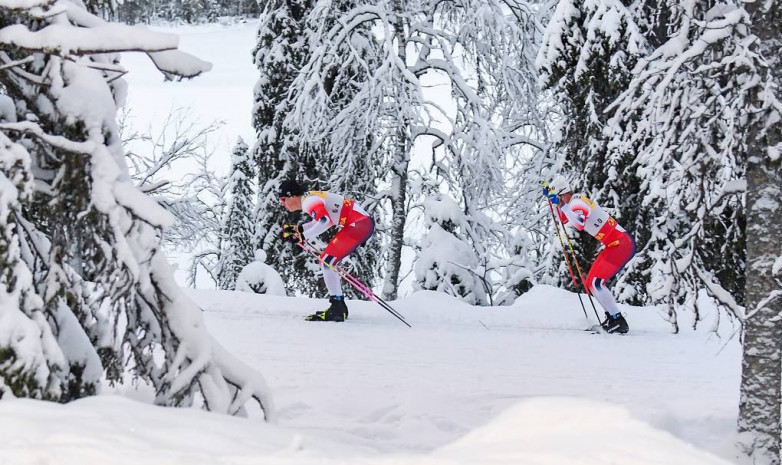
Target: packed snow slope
[(465, 385)]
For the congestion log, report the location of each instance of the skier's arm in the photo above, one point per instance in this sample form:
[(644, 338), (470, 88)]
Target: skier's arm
[(315, 227), (320, 218), (574, 214), (562, 217)]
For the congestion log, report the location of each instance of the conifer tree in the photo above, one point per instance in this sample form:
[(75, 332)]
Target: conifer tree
[(90, 292), (237, 247), (588, 52), (279, 55), (683, 121), (447, 263)]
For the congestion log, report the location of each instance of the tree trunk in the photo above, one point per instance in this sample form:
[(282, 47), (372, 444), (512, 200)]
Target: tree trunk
[(399, 177), (398, 217), (761, 379), (759, 406)]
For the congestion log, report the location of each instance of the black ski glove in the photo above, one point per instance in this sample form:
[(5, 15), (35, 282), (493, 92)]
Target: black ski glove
[(290, 233)]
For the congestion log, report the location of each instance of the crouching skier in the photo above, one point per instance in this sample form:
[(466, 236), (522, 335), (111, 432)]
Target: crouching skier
[(618, 246), (327, 209)]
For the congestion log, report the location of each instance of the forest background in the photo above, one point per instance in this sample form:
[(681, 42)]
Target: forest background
[(664, 111)]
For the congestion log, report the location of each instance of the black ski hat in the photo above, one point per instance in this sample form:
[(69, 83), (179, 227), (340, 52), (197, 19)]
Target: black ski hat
[(289, 188)]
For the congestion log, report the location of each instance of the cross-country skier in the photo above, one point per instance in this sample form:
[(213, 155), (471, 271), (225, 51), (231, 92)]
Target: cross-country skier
[(618, 245), (327, 209)]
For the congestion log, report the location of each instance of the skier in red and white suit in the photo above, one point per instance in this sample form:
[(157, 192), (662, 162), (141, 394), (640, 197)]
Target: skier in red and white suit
[(326, 210), (619, 247)]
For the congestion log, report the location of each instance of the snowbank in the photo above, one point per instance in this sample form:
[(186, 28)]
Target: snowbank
[(118, 431)]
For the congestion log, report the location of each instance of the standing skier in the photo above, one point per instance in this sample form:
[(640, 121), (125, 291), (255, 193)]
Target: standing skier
[(618, 245), (327, 209)]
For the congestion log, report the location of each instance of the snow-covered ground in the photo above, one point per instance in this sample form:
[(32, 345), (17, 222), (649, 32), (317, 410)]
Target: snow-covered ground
[(466, 385), (511, 385)]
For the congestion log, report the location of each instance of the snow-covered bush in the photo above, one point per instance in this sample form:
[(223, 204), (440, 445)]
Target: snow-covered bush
[(446, 263), (260, 278)]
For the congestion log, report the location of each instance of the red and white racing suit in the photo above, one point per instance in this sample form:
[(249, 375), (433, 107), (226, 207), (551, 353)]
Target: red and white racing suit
[(328, 209), (619, 247)]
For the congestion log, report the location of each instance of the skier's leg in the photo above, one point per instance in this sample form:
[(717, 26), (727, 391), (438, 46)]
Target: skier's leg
[(341, 245), (607, 264), (332, 279), (347, 240), (604, 268)]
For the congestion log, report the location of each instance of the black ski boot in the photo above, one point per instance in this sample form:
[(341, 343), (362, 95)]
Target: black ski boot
[(337, 311), (615, 324)]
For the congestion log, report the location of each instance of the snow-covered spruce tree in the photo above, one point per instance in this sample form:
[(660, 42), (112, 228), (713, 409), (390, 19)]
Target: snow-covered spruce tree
[(89, 291), (585, 60), (238, 238), (397, 44), (684, 118), (278, 154), (761, 379), (347, 170), (31, 361), (447, 263)]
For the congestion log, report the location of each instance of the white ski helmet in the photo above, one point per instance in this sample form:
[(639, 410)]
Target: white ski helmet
[(560, 185)]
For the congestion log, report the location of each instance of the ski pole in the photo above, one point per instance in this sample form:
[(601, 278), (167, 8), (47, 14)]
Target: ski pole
[(580, 274), (361, 287), (567, 260)]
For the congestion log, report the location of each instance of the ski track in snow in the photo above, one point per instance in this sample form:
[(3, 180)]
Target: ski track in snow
[(375, 383)]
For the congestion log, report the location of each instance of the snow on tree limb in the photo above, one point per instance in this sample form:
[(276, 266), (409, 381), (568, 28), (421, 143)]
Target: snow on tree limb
[(61, 142), (98, 36), (23, 4), (176, 63), (85, 41), (92, 240)]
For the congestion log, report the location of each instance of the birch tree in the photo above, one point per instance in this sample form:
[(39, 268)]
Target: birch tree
[(397, 45), (761, 380)]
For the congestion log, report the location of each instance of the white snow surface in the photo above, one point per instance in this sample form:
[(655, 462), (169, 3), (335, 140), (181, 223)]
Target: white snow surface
[(466, 385)]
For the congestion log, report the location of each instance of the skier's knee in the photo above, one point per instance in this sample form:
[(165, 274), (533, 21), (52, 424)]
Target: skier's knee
[(595, 284)]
